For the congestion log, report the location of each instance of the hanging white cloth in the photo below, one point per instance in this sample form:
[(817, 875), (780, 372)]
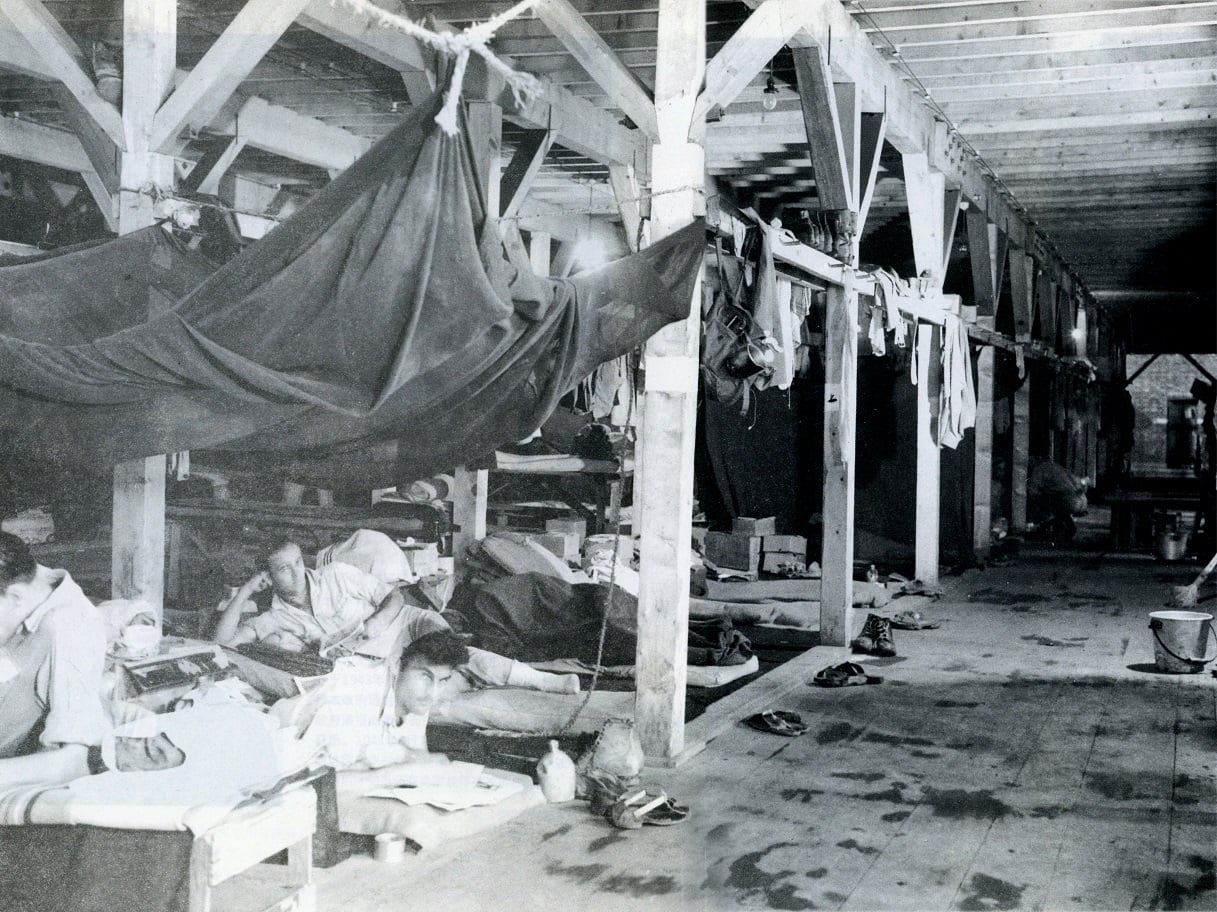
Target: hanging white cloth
[(957, 398)]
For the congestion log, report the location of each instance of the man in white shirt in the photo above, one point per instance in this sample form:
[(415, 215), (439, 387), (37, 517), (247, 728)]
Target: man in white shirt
[(312, 607)]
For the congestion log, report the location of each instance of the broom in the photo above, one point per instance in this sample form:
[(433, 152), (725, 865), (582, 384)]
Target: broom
[(1185, 596)]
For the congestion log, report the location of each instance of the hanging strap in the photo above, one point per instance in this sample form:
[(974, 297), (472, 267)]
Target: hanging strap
[(1155, 625)]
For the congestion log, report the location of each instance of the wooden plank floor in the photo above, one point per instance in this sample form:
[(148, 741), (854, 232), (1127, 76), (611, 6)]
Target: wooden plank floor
[(1023, 756)]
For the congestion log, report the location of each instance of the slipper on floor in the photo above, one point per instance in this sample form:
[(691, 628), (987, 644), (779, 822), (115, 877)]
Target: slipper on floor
[(778, 722), (844, 675), (913, 620), (644, 806)]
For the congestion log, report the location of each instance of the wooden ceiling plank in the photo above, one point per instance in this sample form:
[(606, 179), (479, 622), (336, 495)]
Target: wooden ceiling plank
[(1105, 121), (946, 12), (1075, 89), (199, 97), (825, 139), (922, 28), (520, 172), (749, 50), (593, 54), (1106, 39), (64, 59), (1190, 47), (1066, 75), (1129, 101)]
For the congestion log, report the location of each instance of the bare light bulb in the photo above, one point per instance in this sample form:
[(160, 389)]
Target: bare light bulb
[(769, 98)]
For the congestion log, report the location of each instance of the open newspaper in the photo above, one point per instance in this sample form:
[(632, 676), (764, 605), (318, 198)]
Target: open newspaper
[(449, 786)]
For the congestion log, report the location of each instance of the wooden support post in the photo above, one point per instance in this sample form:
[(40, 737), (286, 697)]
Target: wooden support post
[(469, 500), (840, 423), (468, 509), (932, 214), (670, 401), (1022, 271), (538, 252), (985, 291), (929, 385), (137, 540)]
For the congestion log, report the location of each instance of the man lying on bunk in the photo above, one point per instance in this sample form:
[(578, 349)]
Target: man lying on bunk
[(52, 654), (310, 608), (367, 719)]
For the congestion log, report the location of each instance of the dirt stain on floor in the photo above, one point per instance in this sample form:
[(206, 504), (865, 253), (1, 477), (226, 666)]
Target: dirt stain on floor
[(560, 831), (638, 886), (990, 893), (857, 847), (959, 804), (604, 842), (1121, 786), (956, 704), (861, 777), (801, 795), (1071, 643), (578, 873), (898, 740), (836, 732), (896, 816), (751, 882), (1005, 597)]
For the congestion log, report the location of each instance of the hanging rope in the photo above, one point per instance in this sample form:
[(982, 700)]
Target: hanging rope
[(524, 86)]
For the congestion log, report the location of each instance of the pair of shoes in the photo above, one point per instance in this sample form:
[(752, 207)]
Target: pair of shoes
[(876, 637), (640, 807), (913, 620), (603, 789), (778, 722), (844, 675)]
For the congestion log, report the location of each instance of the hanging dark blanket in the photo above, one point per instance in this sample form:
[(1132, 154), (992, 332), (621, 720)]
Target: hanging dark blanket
[(378, 334), (534, 618)]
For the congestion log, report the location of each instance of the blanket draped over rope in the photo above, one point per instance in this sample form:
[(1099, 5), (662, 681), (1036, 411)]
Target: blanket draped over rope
[(378, 335)]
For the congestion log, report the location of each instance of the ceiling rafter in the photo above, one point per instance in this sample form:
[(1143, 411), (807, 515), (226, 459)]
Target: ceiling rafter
[(595, 56), (199, 97), (62, 57)]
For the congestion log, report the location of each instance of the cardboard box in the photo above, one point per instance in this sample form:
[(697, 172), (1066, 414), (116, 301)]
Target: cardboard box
[(793, 544), (564, 546), (423, 561), (747, 525), (776, 560), (567, 527), (731, 549)]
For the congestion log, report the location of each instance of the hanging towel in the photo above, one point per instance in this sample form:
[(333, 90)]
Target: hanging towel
[(847, 416), (785, 333), (877, 332), (957, 398), (1020, 361)]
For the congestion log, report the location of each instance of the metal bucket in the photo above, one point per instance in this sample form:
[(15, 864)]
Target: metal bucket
[(1180, 640), (1172, 546)]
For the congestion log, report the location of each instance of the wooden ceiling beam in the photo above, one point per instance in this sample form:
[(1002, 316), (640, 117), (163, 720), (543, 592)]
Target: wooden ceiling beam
[(64, 61), (33, 142), (595, 56), (748, 50), (826, 136), (520, 172), (581, 126), (198, 98), (283, 132)]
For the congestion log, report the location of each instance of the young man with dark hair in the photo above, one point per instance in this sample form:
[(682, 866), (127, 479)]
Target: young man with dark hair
[(366, 719), (52, 653)]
